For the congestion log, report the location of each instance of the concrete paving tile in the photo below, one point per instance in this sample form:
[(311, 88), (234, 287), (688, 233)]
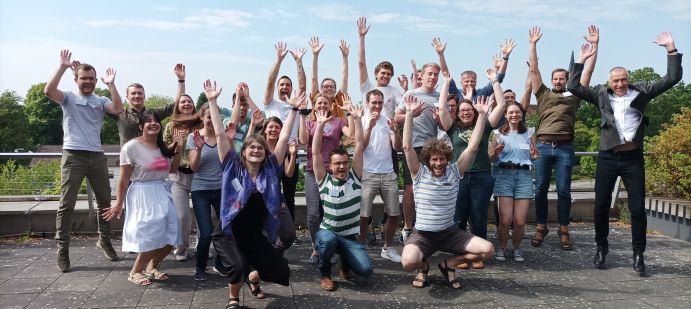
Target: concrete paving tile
[(516, 296), (24, 285), (117, 281), (319, 301), (59, 300), (165, 306), (623, 303), (65, 283), (206, 295), (269, 302), (17, 300), (10, 271), (673, 302), (672, 287), (558, 294), (111, 298), (42, 271), (159, 296), (577, 305), (373, 301)]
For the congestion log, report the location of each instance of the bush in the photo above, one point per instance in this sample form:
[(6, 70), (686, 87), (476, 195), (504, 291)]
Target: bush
[(668, 164), (42, 178)]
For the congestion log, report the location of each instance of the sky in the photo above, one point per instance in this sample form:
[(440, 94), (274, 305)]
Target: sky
[(233, 41)]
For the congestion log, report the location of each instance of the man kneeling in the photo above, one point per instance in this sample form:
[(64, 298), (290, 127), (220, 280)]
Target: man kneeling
[(340, 196), (435, 187)]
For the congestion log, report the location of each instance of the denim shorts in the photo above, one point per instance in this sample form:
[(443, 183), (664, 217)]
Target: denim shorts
[(514, 183)]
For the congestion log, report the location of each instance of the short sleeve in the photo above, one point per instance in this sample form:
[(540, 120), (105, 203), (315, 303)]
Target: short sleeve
[(126, 155), (189, 144), (541, 92), (105, 101), (365, 88)]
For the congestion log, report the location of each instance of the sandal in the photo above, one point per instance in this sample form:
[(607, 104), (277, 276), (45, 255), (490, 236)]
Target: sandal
[(539, 237), (155, 274), (139, 279), (445, 273), (257, 292), (564, 240), (422, 282), (234, 305)]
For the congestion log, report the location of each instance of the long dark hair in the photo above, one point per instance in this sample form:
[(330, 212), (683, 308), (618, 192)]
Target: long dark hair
[(521, 124), (165, 151)]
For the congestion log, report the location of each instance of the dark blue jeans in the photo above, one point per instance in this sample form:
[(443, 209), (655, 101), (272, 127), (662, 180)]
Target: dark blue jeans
[(561, 158), (202, 202), (472, 203), (353, 253), (628, 165)]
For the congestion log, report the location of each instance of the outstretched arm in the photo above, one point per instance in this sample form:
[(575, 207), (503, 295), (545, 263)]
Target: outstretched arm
[(573, 83), (180, 72), (498, 111), (316, 48), (534, 35), (289, 168), (223, 144), (302, 80), (51, 89), (345, 49), (674, 69), (468, 155), (411, 105), (362, 28), (356, 114), (445, 118), (440, 47), (281, 51), (116, 107), (525, 99), (506, 49), (594, 39), (282, 144), (318, 166)]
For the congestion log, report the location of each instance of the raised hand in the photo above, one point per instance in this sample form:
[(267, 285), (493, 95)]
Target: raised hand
[(496, 61), (447, 77), (438, 45), (74, 65), (292, 147), (507, 47), (345, 48), (435, 114), (534, 34), (230, 131), (665, 39), (322, 116), (109, 79), (257, 117), (281, 49), (373, 117), (298, 53), (347, 103), (210, 90), (198, 139), (362, 27), (356, 112), (242, 89), (179, 71), (403, 81), (482, 104), (65, 56), (412, 62), (586, 52), (593, 36), (492, 74), (314, 44), (296, 100), (468, 93), (411, 103), (392, 124)]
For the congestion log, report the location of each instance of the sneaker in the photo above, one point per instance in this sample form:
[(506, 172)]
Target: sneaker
[(391, 254), (219, 272), (405, 234), (181, 255), (64, 258), (500, 255), (326, 283), (107, 248), (200, 274), (518, 255)]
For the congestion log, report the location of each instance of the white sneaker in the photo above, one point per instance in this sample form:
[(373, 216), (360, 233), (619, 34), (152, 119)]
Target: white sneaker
[(518, 255), (391, 254), (181, 255), (500, 255)]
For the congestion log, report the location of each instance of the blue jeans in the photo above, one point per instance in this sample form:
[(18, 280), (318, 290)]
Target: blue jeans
[(353, 253), (472, 202), (202, 202), (561, 158)]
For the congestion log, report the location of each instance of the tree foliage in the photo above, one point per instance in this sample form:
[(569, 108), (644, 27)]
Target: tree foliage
[(201, 99), (45, 117), (668, 165), (14, 124)]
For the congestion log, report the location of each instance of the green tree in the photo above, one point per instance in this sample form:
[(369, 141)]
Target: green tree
[(201, 99), (109, 131), (14, 124), (45, 117), (157, 101)]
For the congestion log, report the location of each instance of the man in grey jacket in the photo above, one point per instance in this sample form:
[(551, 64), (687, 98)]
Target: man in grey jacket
[(622, 106)]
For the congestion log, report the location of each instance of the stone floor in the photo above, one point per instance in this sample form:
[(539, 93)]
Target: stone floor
[(549, 278)]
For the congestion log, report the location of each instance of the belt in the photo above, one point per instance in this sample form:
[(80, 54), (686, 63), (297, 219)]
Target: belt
[(185, 170), (512, 166), (555, 143)]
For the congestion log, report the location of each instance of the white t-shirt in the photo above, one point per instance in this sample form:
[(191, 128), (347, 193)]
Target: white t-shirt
[(392, 97), (378, 152), (82, 120), (147, 164), (280, 109)]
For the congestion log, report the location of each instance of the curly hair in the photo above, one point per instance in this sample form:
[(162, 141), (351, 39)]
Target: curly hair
[(435, 146)]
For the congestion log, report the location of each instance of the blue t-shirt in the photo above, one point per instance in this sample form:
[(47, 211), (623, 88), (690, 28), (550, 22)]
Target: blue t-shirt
[(516, 146)]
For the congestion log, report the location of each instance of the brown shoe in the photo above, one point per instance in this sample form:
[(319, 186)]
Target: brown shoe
[(564, 238), (463, 265), (344, 273), (478, 265), (539, 237), (326, 283)]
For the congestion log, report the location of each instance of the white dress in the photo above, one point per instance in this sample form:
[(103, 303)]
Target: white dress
[(151, 220)]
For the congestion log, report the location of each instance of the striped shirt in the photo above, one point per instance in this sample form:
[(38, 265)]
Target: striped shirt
[(435, 198), (341, 201)]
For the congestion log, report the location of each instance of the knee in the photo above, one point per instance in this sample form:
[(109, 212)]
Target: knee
[(409, 261), (325, 239)]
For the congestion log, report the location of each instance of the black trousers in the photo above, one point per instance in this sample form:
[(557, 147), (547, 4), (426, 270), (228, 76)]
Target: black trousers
[(289, 185), (630, 166), (237, 257)]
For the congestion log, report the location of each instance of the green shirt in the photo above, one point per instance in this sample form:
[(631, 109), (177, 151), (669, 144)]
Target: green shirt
[(459, 139), (128, 122)]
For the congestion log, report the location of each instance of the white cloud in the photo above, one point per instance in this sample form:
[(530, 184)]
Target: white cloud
[(334, 11), (150, 24), (215, 18), (275, 13), (207, 18)]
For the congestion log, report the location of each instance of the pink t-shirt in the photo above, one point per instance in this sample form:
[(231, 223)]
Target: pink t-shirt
[(331, 139)]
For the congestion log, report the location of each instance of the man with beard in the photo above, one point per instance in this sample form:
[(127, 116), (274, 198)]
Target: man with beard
[(82, 155)]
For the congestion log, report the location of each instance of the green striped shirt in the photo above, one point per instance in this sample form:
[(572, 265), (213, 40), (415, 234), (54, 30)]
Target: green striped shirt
[(341, 201)]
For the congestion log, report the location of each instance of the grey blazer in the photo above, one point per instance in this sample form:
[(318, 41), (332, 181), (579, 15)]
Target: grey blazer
[(599, 95)]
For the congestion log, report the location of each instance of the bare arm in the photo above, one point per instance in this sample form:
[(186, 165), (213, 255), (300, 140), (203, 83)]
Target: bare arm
[(499, 110), (282, 144), (115, 211), (116, 107), (506, 49), (445, 118), (534, 35), (281, 52), (373, 117), (345, 50), (440, 47), (316, 48), (289, 168), (318, 166), (594, 39), (223, 144), (359, 143), (410, 155), (394, 135), (468, 155), (494, 149), (525, 100), (51, 89), (302, 80), (179, 148), (363, 28), (180, 72)]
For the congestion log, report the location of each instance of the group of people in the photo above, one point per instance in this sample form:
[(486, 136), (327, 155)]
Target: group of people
[(244, 168)]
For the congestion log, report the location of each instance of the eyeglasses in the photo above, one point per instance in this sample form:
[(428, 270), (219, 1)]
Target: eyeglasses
[(253, 147), (329, 86), (339, 163)]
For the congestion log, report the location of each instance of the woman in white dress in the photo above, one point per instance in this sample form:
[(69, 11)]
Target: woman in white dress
[(151, 223)]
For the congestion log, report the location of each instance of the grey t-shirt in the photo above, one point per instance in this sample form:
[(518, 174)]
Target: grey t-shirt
[(424, 126), (82, 120), (208, 175)]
